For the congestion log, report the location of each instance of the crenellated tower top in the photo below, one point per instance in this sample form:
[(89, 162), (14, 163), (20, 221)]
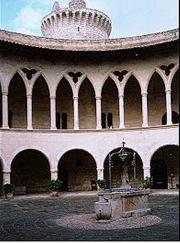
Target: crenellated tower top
[(76, 22), (77, 4)]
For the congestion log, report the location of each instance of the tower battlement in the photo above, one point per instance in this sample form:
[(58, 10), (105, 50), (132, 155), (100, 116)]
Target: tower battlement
[(76, 22)]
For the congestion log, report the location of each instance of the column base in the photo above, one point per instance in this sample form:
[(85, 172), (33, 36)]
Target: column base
[(29, 128), (98, 128), (53, 128), (145, 125), (169, 123), (3, 127)]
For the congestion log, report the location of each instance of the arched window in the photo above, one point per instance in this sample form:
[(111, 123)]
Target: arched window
[(110, 120), (103, 119), (58, 120), (64, 120)]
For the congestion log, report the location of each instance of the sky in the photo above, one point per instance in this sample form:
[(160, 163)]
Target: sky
[(129, 17)]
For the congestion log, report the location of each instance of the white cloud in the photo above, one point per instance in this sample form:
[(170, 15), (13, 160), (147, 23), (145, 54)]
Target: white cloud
[(28, 20)]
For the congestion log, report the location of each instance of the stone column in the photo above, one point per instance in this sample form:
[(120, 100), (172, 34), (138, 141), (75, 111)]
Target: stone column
[(168, 107), (145, 110), (147, 172), (76, 113), (29, 112), (5, 110), (53, 112), (100, 174), (54, 174), (98, 113), (6, 177), (121, 111)]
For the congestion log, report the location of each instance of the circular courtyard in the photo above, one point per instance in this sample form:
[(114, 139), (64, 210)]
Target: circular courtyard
[(43, 218)]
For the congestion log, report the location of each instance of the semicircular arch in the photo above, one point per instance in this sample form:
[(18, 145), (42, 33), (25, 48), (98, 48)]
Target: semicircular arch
[(35, 148)]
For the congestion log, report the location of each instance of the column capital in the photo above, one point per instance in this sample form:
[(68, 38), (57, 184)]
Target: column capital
[(100, 169), (54, 170), (6, 171), (146, 167), (52, 97), (29, 96), (144, 94), (4, 93), (121, 96), (168, 91), (98, 97), (76, 97)]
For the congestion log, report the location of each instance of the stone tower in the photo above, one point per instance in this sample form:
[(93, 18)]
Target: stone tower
[(76, 22)]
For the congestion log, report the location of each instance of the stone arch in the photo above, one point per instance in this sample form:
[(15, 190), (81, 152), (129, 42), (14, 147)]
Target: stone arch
[(77, 169), (30, 168), (65, 76), (127, 78), (133, 103), (118, 168), (165, 167), (156, 99), (171, 76), (21, 74), (41, 104), (81, 81), (114, 79), (160, 73), (17, 102), (36, 77), (87, 105), (110, 102), (64, 105), (175, 92)]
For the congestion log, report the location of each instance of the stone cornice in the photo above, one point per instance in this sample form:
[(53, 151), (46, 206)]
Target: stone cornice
[(90, 45)]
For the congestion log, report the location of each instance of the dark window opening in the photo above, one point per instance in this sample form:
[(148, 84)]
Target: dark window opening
[(175, 118), (10, 115), (64, 121), (78, 29), (110, 120), (0, 118), (103, 120), (58, 120)]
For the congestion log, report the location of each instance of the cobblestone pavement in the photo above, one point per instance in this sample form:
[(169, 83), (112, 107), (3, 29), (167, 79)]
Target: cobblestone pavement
[(34, 219)]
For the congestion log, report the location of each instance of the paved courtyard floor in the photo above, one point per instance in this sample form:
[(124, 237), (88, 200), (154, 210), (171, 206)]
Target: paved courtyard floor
[(34, 218)]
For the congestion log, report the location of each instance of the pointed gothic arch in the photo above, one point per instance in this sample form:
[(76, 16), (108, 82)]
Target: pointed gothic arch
[(156, 100), (64, 105), (133, 103), (87, 106), (41, 104), (17, 102), (110, 101)]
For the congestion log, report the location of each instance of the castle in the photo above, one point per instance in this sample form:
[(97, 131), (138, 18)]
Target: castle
[(70, 98)]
